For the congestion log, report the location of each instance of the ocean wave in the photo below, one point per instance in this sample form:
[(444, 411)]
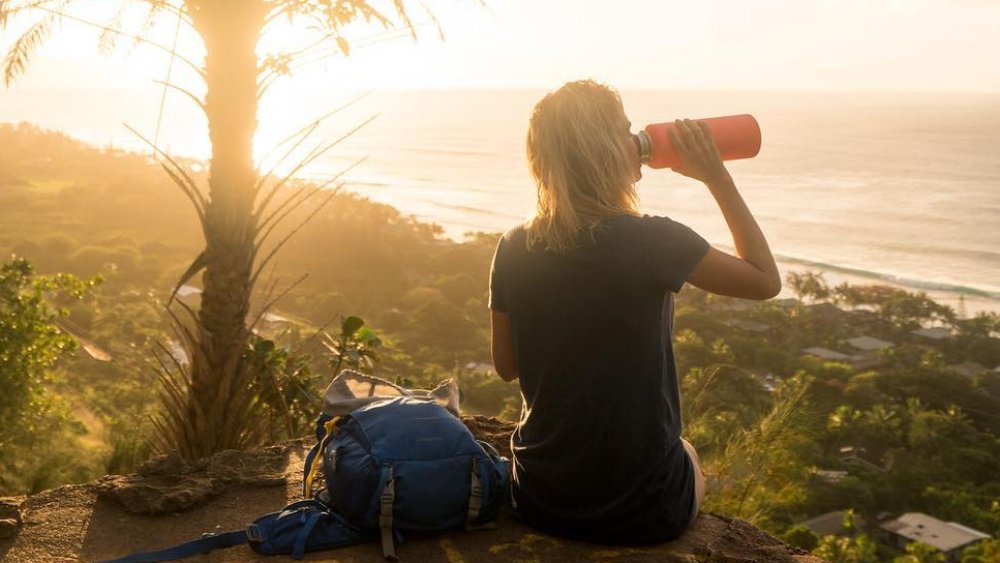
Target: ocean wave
[(457, 207), (989, 293)]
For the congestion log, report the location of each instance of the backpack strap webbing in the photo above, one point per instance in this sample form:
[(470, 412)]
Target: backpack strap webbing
[(299, 549), (386, 501), (315, 455), (207, 543), (475, 496)]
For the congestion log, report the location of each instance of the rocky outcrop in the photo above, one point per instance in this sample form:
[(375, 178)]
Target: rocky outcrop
[(10, 516), (169, 501), (168, 484)]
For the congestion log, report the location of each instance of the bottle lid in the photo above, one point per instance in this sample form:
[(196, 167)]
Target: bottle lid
[(645, 146)]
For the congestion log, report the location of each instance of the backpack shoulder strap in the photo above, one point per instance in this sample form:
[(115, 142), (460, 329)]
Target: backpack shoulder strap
[(475, 496), (324, 431), (387, 500), (207, 543)]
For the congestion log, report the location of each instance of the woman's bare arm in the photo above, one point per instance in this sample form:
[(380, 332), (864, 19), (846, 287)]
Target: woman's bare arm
[(752, 273), (502, 346)]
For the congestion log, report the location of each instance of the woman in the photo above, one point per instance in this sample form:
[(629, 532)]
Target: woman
[(581, 314)]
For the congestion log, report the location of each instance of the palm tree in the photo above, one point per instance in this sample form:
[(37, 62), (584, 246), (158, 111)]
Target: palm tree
[(208, 408)]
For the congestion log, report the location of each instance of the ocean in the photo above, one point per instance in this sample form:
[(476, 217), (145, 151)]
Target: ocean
[(897, 188)]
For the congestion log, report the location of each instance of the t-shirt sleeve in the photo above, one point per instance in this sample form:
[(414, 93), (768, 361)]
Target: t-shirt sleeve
[(674, 248), (498, 291)]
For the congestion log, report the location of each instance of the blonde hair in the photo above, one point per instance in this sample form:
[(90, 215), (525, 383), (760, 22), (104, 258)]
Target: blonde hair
[(579, 159)]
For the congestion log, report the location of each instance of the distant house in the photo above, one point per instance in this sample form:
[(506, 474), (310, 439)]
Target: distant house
[(751, 326), (767, 381), (968, 369), (189, 295), (785, 302), (188, 290), (830, 524), (272, 326), (177, 352), (950, 538), (826, 354), (868, 343), (828, 312), (873, 456), (933, 333), (867, 321)]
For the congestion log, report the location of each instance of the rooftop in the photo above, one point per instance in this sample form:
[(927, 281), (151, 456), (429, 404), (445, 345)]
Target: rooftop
[(967, 369), (750, 326), (934, 333), (945, 536), (831, 523), (826, 354), (868, 343)]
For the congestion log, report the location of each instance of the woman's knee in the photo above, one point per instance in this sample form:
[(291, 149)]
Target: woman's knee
[(699, 473), (691, 452)]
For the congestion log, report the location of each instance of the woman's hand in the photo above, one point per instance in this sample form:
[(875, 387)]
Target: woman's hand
[(699, 155)]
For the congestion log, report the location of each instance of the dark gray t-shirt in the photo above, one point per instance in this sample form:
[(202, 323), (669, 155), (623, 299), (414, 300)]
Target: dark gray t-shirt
[(597, 452)]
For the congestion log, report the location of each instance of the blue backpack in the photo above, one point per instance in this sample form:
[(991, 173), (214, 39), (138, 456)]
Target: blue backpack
[(404, 463)]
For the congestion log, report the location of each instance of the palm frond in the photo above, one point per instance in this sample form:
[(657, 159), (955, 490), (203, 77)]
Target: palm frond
[(196, 266), (179, 175), (301, 135), (107, 42), (198, 102), (16, 61), (282, 242), (294, 201), (317, 152), (64, 15)]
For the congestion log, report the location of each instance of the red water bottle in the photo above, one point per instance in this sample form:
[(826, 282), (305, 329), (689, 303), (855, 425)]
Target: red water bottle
[(737, 136)]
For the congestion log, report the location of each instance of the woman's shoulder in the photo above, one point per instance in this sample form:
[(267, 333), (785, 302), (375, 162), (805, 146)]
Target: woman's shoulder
[(515, 233), (637, 224)]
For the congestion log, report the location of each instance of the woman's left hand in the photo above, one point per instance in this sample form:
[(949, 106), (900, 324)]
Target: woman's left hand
[(699, 155)]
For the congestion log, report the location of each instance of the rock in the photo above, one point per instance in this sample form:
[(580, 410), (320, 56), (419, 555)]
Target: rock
[(159, 495), (167, 483), (10, 516), (169, 465), (260, 468), (9, 527)]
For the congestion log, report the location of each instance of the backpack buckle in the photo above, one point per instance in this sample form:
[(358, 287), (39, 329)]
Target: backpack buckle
[(254, 535)]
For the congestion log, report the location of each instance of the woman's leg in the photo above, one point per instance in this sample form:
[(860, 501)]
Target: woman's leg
[(699, 476)]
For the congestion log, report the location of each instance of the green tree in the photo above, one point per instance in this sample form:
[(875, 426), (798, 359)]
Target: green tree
[(808, 284), (766, 465), (841, 549), (235, 211), (918, 552), (986, 551), (30, 345), (355, 348), (800, 536)]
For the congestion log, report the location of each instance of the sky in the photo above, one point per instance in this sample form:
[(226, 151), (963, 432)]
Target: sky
[(940, 46), (853, 45)]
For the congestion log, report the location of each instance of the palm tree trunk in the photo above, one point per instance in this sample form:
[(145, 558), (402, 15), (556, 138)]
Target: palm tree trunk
[(230, 30)]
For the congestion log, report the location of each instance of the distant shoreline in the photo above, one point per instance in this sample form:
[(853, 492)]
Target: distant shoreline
[(975, 300)]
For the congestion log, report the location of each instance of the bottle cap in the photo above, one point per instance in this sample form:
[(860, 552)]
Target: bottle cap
[(645, 146)]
